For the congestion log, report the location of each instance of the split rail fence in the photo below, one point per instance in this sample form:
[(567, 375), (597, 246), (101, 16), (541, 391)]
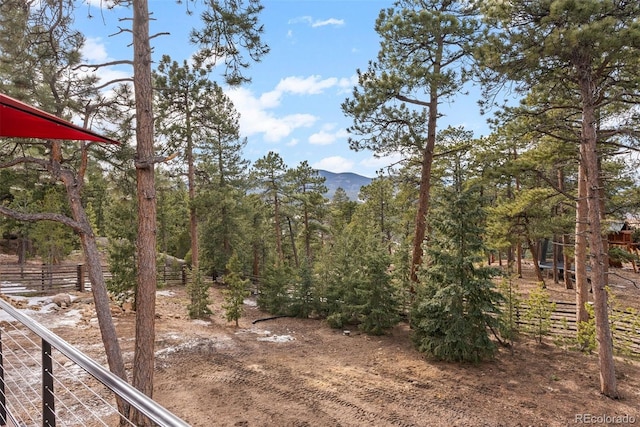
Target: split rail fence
[(45, 279), (625, 326)]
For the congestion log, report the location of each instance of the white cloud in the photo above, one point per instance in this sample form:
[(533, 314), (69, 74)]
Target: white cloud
[(255, 117), (322, 138), (346, 85), (330, 21), (335, 164), (94, 50), (382, 162), (107, 4), (312, 85), (327, 136), (315, 23)]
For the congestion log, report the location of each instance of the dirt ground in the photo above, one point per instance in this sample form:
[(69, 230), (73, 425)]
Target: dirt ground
[(295, 372)]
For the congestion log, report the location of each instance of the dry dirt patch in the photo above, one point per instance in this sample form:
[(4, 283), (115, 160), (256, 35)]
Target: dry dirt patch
[(299, 372)]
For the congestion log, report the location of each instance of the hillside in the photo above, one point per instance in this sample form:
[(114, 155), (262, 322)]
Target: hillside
[(349, 182)]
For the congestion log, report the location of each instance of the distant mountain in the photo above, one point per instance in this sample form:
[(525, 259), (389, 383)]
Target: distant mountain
[(349, 182)]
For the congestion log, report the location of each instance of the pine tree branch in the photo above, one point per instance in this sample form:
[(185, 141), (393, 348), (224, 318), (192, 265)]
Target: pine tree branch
[(33, 217)]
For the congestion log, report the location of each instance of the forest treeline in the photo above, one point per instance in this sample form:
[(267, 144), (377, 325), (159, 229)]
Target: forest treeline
[(560, 165)]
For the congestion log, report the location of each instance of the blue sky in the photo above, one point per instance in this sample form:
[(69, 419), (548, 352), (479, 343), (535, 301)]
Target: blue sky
[(292, 105)]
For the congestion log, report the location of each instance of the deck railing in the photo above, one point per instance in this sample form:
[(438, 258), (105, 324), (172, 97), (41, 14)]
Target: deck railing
[(44, 381)]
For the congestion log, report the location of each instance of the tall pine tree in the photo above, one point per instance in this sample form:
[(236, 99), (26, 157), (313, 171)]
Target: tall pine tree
[(457, 303)]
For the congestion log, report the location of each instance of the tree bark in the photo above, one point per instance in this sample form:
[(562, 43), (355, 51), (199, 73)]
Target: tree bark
[(82, 226), (580, 249), (425, 183), (146, 243), (588, 149), (533, 247), (277, 226), (193, 215)]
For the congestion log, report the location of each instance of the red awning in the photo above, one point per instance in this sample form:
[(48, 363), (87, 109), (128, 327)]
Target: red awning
[(20, 120)]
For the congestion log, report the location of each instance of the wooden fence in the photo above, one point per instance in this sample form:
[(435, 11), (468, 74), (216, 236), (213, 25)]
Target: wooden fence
[(625, 326), (34, 279)]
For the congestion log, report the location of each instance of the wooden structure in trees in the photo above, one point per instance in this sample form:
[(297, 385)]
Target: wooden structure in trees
[(621, 235)]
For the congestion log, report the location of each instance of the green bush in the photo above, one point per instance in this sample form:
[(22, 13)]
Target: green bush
[(538, 313), (198, 291)]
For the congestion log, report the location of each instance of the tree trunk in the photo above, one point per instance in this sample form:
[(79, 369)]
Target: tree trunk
[(94, 271), (588, 149), (555, 255), (425, 173), (425, 188), (146, 243), (193, 215), (566, 262), (580, 251), (278, 228), (293, 243), (536, 266)]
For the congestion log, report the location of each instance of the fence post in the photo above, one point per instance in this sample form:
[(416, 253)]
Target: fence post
[(3, 399), (80, 276), (43, 278), (48, 398), (184, 275)]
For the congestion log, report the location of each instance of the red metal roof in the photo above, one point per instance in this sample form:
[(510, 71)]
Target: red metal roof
[(21, 120)]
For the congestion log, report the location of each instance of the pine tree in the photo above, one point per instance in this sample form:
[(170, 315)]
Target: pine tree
[(421, 63), (457, 305), (359, 287), (274, 289), (538, 314), (236, 290), (198, 290)]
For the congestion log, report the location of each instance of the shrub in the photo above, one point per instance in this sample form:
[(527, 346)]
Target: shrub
[(538, 313)]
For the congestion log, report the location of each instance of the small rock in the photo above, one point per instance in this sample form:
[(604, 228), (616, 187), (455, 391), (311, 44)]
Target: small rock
[(61, 300)]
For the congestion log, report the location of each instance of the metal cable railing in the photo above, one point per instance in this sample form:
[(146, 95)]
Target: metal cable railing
[(43, 387)]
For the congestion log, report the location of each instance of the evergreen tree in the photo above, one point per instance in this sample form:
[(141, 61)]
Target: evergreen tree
[(457, 303), (341, 210), (538, 314), (275, 285), (120, 215), (198, 291), (269, 173), (305, 297), (359, 287), (236, 290), (581, 58), (423, 49)]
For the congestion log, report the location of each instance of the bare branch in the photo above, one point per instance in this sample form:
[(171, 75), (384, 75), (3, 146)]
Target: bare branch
[(112, 82), (22, 160), (33, 217), (106, 64), (159, 34), (413, 101), (147, 163)]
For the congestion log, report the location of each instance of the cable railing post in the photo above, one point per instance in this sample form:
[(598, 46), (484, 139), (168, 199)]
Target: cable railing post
[(3, 399), (48, 398)]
